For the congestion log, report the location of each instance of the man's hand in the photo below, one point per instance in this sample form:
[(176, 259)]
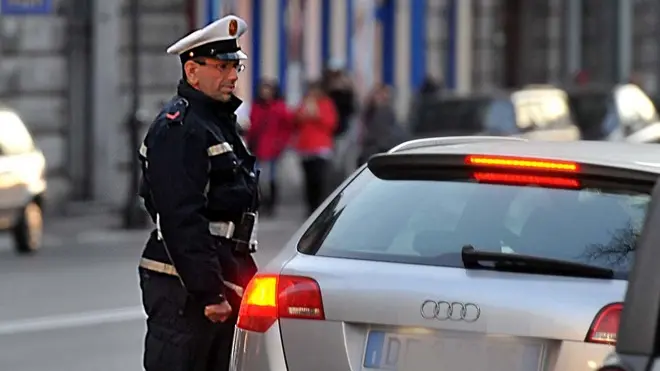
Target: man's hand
[(218, 312)]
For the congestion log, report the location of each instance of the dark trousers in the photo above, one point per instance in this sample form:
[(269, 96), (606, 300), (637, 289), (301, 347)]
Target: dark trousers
[(315, 170), (269, 190), (179, 336)]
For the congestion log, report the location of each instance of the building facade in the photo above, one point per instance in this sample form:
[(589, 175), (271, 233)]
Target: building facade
[(68, 70)]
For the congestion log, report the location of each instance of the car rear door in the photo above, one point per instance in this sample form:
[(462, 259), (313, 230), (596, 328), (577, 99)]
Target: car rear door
[(638, 343)]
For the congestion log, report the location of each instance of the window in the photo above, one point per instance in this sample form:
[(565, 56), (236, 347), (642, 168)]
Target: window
[(429, 221), (15, 139), (452, 116), (595, 113), (500, 118)]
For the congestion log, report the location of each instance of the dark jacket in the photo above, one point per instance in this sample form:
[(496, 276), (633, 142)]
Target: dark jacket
[(197, 170), (381, 131)]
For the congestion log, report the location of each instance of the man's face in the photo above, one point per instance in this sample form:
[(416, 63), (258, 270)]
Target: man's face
[(213, 77)]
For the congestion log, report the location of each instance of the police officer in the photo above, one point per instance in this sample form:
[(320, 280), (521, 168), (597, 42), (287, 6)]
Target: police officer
[(199, 185)]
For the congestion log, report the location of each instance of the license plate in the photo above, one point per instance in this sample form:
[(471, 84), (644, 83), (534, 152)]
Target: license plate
[(410, 352)]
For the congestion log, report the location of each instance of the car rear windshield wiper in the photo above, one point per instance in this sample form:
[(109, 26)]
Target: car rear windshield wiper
[(508, 262)]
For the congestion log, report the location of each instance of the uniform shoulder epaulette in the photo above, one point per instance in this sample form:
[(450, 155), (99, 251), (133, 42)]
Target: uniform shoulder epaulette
[(175, 111)]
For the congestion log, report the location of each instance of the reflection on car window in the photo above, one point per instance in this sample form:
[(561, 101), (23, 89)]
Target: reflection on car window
[(427, 222), (14, 137)]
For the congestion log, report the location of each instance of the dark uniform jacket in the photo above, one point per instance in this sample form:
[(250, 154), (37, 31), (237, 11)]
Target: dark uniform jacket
[(197, 170)]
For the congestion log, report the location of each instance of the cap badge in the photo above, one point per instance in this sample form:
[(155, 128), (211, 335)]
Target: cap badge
[(233, 27)]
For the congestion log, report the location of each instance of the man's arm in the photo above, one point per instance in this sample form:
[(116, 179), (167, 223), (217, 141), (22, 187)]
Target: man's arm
[(178, 174)]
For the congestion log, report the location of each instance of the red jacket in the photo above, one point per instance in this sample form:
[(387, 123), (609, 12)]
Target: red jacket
[(316, 133), (271, 127)]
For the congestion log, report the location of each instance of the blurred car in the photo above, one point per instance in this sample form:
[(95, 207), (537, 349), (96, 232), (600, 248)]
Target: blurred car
[(619, 112), (534, 112), (467, 253), (22, 183), (638, 326)]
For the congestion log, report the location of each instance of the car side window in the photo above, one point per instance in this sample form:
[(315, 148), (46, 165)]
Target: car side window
[(500, 118), (15, 139)]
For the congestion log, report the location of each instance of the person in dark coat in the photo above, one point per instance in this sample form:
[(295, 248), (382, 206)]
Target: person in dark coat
[(200, 188), (381, 129)]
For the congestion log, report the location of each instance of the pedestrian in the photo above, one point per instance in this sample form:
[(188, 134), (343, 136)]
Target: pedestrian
[(200, 187), (316, 121), (381, 128), (269, 135)]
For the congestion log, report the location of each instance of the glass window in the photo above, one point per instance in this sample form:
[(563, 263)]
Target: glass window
[(501, 117), (15, 138), (429, 221), (453, 116), (595, 113)]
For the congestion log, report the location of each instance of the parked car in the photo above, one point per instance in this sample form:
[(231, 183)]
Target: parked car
[(464, 253), (534, 112), (614, 113), (22, 183)]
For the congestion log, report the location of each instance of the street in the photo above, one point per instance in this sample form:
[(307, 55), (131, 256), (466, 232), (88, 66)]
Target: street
[(75, 306)]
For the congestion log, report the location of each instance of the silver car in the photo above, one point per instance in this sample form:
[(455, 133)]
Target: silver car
[(465, 253)]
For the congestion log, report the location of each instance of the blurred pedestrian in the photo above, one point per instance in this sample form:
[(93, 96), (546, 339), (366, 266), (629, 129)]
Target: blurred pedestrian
[(339, 87), (381, 129), (316, 121), (427, 95), (200, 188), (269, 134)]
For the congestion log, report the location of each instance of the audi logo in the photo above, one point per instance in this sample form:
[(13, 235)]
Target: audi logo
[(452, 311)]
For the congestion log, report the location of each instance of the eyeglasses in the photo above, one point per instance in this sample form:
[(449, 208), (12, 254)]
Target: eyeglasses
[(223, 67)]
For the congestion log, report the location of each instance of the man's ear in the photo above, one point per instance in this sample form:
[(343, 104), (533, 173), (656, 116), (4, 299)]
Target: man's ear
[(191, 68)]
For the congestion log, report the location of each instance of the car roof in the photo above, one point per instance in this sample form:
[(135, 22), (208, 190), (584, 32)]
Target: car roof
[(634, 156)]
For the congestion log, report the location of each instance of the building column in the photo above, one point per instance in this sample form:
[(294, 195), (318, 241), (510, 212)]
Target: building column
[(573, 37), (108, 111), (464, 22), (624, 39)]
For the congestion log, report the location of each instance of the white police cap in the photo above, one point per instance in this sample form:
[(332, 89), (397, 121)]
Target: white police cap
[(217, 40)]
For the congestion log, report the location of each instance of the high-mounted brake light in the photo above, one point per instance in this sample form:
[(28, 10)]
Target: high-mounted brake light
[(504, 178), (508, 162), (267, 298), (605, 326)]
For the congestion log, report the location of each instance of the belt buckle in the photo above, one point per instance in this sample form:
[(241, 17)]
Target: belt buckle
[(231, 228)]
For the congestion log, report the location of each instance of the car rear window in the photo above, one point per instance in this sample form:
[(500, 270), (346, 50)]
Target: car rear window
[(429, 221), (453, 116)]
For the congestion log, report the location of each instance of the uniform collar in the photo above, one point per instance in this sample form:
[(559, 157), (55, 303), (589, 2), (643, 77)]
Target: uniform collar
[(187, 91)]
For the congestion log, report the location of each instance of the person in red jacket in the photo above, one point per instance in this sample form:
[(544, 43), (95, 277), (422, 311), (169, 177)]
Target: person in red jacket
[(316, 121), (271, 127)]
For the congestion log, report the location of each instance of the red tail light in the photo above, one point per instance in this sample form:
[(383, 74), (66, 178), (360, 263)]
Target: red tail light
[(606, 324), (549, 181), (268, 298), (510, 162)]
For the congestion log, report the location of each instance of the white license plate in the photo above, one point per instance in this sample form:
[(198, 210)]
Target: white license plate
[(411, 352)]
